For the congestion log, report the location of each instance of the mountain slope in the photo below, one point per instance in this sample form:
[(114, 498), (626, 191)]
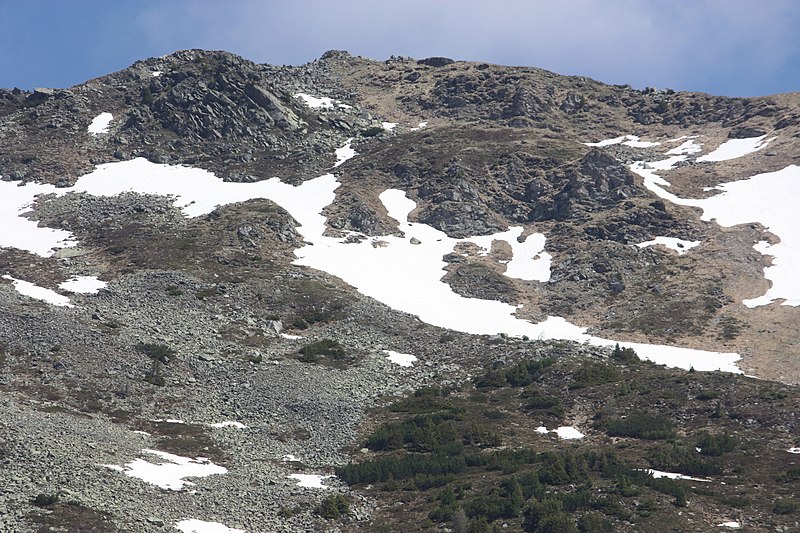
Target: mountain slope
[(264, 243)]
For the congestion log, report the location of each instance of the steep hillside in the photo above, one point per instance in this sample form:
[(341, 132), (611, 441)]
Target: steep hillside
[(357, 295)]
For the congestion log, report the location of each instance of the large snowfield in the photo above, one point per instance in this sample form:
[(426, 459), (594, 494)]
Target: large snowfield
[(767, 198), (402, 272)]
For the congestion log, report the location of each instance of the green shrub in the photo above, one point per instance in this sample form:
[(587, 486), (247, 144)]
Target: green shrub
[(505, 501), (159, 352), (315, 303), (405, 467), (429, 481), (173, 290), (562, 468), (420, 404), (202, 294), (706, 395), (595, 374), (255, 358), (739, 502), (731, 328), (625, 355), (542, 402), (680, 499), (520, 374), (326, 347), (506, 461), (663, 485), (479, 525), (298, 323), (372, 131), (537, 401), (45, 500), (791, 474), (785, 507), (641, 426), (548, 516), (323, 348), (147, 96), (715, 445), (683, 460), (424, 433), (334, 507), (493, 414), (155, 376), (593, 522)]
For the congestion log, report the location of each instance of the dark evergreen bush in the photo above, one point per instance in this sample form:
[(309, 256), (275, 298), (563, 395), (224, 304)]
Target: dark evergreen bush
[(641, 426)]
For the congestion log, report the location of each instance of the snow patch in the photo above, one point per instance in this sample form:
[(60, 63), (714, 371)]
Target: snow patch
[(628, 140), (568, 433), (100, 123), (156, 73), (402, 359), (420, 126), (322, 102), (316, 102), (169, 474), (22, 233), (793, 450), (634, 142), (529, 260), (563, 432), (228, 424), (289, 458), (389, 126), (26, 288), (731, 525), (687, 148), (193, 525), (83, 285), (311, 481), (344, 153), (291, 337), (608, 142), (679, 245), (195, 191), (735, 148), (659, 474)]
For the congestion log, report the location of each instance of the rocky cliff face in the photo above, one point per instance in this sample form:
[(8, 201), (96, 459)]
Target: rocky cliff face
[(242, 334)]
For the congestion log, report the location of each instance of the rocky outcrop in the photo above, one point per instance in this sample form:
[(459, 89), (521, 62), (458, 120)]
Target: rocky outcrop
[(436, 61), (601, 178), (209, 109), (746, 132)]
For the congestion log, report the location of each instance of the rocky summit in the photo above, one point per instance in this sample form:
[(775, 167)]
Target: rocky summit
[(403, 295)]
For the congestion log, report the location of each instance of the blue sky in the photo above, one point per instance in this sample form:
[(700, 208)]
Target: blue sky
[(731, 47)]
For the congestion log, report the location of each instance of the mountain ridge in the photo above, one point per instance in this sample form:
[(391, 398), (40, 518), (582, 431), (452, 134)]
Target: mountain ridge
[(205, 315)]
